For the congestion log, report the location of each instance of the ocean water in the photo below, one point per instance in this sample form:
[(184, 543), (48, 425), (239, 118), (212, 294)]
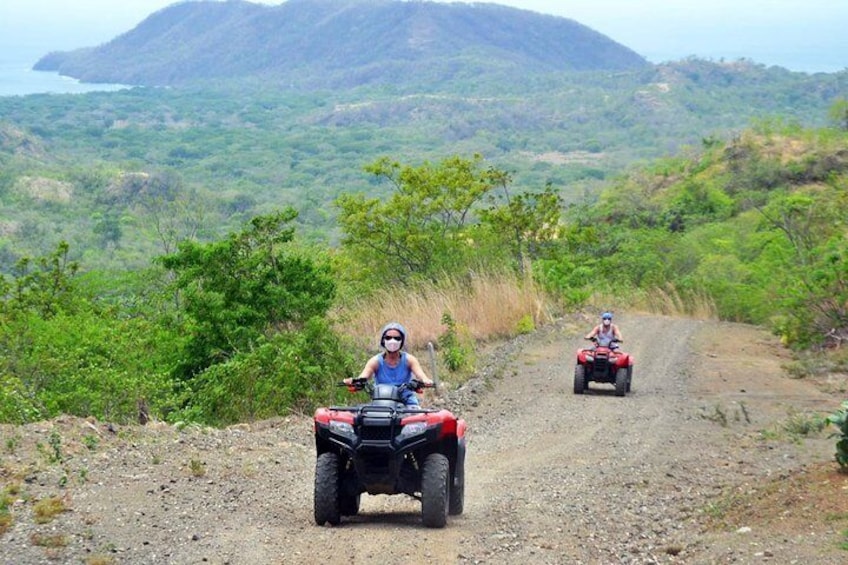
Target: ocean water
[(18, 79)]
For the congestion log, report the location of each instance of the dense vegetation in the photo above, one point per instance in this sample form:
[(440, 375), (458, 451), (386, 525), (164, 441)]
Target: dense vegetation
[(238, 328), (123, 176), (208, 254)]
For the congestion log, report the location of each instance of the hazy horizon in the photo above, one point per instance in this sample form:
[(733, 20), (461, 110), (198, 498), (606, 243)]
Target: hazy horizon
[(800, 35)]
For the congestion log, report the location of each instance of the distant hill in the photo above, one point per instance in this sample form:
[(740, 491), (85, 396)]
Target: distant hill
[(341, 43)]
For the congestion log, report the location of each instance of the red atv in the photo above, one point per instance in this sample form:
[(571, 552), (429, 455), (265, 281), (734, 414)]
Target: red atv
[(386, 447), (603, 365)]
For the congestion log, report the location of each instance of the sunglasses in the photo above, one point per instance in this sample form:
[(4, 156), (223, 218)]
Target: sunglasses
[(393, 338)]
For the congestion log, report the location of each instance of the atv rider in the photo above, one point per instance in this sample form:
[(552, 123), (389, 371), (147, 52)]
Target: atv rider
[(606, 333), (395, 366)]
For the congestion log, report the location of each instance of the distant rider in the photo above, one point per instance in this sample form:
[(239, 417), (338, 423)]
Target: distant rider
[(605, 332), (394, 366)]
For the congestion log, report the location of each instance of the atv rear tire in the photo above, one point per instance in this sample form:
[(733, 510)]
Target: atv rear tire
[(629, 377), (326, 496), (621, 381), (435, 490), (579, 379)]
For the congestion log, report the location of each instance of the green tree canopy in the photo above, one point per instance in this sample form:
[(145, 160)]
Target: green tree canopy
[(236, 290), (435, 221)]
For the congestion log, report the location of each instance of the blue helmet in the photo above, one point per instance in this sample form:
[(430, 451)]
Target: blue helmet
[(606, 316), (393, 326)]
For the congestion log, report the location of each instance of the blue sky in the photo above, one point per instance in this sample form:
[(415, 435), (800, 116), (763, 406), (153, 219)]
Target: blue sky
[(804, 35)]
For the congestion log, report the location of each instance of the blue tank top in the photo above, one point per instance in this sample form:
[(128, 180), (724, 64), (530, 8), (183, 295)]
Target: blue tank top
[(393, 375), (605, 337)]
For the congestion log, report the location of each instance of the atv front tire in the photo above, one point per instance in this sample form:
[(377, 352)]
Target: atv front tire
[(435, 490), (457, 490), (621, 381), (349, 504), (326, 495), (579, 379)]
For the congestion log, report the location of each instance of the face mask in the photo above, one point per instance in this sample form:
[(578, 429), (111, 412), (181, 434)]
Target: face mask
[(391, 345)]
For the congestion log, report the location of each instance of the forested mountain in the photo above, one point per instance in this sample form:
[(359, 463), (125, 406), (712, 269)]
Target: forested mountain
[(342, 43)]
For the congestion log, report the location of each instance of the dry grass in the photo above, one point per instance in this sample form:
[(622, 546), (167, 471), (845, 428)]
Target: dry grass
[(47, 509), (197, 468), (492, 306), (6, 502), (484, 306), (666, 301), (49, 540), (100, 560)]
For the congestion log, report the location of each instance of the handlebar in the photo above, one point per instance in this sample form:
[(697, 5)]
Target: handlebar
[(595, 340), (358, 384), (420, 386)]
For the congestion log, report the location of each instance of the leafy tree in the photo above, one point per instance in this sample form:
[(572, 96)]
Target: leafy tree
[(43, 285), (236, 290), (528, 222), (421, 228), (435, 221)]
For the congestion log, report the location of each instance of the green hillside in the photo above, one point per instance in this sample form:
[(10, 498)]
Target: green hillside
[(756, 227), (103, 171)]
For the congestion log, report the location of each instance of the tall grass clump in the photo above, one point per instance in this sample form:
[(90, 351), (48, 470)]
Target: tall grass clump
[(667, 301), (486, 305)]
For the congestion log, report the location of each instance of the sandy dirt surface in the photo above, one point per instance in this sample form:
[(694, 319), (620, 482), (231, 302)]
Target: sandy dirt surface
[(700, 463)]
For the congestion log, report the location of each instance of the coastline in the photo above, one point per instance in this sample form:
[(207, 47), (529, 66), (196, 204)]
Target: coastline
[(18, 79)]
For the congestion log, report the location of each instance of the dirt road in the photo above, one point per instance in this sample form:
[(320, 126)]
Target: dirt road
[(552, 477)]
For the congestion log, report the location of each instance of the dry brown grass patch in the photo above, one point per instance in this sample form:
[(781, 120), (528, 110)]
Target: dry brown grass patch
[(46, 509), (49, 540), (484, 306), (667, 301)]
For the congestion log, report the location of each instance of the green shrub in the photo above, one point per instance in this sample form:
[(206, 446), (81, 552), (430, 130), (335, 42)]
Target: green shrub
[(457, 353), (840, 420), (525, 325), (84, 363), (16, 404), (291, 371)]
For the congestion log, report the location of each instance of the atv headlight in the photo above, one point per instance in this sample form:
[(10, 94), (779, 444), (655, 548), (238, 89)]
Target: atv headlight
[(590, 357), (413, 429), (342, 428)]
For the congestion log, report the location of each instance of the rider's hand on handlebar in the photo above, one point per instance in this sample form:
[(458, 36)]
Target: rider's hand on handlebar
[(354, 384)]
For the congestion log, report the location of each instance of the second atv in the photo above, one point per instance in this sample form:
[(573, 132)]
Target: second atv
[(386, 447), (603, 365)]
